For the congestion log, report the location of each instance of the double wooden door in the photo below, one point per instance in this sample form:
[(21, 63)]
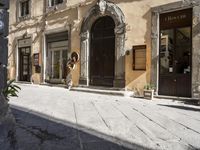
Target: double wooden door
[(102, 52)]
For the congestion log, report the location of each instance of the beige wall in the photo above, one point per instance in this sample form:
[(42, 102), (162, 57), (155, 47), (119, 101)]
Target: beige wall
[(138, 32), (29, 28), (70, 15)]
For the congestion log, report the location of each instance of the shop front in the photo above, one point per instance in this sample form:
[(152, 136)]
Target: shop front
[(175, 51), (56, 57), (175, 55)]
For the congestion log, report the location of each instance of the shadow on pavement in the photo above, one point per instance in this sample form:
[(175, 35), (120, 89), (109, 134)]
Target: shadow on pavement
[(181, 107), (35, 131), (193, 102)]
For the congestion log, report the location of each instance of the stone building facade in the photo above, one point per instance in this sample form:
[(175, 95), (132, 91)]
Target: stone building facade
[(121, 43)]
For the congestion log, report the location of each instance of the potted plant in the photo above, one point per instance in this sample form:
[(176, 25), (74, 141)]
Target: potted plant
[(149, 91), (10, 90), (47, 78)]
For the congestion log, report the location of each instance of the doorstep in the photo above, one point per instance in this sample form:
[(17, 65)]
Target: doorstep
[(103, 90), (53, 85), (23, 82), (186, 100)]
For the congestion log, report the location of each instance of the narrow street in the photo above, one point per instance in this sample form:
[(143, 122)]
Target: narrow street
[(52, 118)]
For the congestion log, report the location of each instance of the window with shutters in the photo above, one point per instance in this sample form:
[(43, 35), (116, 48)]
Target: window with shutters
[(139, 57)]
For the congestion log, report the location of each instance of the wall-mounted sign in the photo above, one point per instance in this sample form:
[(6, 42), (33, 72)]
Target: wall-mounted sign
[(172, 19), (36, 50), (36, 59)]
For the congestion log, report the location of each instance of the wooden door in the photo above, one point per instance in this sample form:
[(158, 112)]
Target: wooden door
[(183, 61), (24, 68), (102, 52)]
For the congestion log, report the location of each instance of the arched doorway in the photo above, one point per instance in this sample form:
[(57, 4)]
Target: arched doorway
[(99, 12), (102, 52)]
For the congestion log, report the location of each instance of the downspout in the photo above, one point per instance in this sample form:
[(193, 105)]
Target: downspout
[(43, 44)]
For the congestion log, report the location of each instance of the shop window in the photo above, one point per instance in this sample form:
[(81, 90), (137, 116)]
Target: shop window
[(139, 57), (24, 9), (54, 2)]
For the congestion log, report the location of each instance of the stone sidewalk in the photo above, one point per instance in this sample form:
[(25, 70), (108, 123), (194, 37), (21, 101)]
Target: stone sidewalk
[(50, 118)]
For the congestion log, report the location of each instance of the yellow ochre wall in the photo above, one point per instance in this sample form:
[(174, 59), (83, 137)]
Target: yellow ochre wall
[(138, 32)]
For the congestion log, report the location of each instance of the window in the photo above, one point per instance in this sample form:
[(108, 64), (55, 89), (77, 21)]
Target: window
[(54, 2), (139, 57), (24, 8), (23, 11)]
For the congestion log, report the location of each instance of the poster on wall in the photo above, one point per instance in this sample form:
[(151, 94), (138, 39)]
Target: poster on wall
[(36, 59)]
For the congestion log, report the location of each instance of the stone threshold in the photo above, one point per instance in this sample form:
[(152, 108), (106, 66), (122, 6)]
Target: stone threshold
[(23, 82), (53, 85), (43, 84), (95, 89), (103, 90), (186, 100)]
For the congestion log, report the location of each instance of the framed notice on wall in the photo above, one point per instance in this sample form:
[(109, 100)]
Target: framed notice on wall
[(36, 59), (139, 57)]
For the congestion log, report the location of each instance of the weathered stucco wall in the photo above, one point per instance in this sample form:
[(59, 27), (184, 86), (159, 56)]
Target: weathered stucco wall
[(69, 16), (138, 32), (28, 28)]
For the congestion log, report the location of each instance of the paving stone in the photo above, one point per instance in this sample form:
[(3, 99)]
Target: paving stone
[(100, 146), (101, 122), (86, 138)]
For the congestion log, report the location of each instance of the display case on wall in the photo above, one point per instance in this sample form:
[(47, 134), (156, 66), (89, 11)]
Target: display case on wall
[(166, 52)]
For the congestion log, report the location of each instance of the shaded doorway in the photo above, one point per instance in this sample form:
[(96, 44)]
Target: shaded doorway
[(175, 56), (25, 64), (102, 52)]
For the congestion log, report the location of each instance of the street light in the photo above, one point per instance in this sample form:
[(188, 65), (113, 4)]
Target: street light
[(3, 22)]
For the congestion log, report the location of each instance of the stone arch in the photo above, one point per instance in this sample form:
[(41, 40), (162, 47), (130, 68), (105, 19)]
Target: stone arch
[(104, 8)]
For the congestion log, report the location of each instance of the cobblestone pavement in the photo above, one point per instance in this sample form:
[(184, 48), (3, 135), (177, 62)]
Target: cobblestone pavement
[(51, 118)]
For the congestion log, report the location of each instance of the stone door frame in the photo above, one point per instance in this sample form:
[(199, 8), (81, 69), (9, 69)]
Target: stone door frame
[(103, 8), (155, 31)]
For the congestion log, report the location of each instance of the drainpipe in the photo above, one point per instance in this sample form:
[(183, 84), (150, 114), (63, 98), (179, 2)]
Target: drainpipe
[(43, 43)]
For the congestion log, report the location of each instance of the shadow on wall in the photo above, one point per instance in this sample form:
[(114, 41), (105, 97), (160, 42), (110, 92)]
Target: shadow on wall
[(36, 131), (136, 84)]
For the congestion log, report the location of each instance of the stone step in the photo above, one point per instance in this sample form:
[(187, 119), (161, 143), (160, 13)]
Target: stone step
[(186, 100), (103, 90), (53, 85)]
